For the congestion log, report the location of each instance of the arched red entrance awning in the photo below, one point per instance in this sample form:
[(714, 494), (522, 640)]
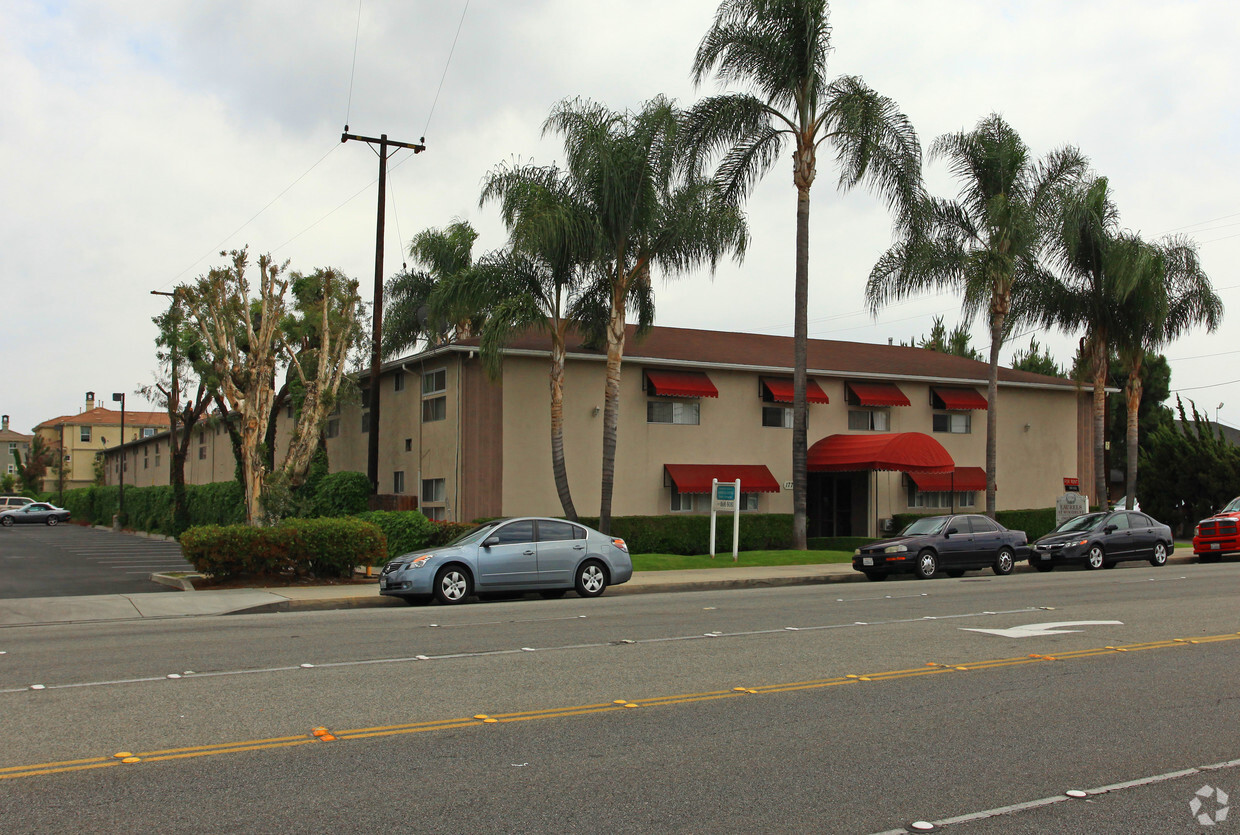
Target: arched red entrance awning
[(908, 452)]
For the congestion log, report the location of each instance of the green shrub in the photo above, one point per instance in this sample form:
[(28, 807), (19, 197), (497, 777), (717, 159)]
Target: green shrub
[(691, 534), (445, 532), (294, 548), (405, 530), (342, 494)]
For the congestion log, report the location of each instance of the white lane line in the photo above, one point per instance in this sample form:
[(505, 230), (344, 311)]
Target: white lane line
[(1060, 798)]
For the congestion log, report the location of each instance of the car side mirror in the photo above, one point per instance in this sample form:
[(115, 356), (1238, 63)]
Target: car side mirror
[(951, 531), (1110, 529), (489, 541)]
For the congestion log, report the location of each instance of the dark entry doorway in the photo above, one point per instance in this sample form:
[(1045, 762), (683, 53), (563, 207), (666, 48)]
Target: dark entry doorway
[(832, 500)]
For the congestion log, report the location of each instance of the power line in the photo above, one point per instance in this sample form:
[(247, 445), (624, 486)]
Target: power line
[(445, 69), (356, 194), (1200, 223), (357, 30), (1211, 386)]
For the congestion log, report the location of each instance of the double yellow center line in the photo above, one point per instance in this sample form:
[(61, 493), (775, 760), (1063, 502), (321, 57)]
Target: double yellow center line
[(318, 736)]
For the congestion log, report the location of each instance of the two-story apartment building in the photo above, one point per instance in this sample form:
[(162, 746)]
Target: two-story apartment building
[(81, 437), (13, 445), (891, 429)]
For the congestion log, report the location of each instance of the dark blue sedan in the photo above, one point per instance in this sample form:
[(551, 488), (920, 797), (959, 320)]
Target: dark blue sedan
[(953, 544)]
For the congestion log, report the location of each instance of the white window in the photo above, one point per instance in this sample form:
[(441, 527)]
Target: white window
[(434, 497), (749, 501), (434, 408), (957, 423), (438, 513), (919, 498), (869, 420), (686, 413), (84, 436), (434, 382), (398, 481), (779, 417), (686, 501), (148, 431)]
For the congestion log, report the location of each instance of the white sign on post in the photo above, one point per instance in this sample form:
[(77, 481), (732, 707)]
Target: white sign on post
[(726, 497), (1069, 506)]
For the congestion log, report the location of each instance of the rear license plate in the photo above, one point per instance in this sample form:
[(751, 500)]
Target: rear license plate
[(867, 560), (1214, 546)]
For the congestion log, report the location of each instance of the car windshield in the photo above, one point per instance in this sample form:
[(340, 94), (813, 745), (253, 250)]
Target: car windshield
[(1080, 523), (1233, 506), (926, 526), (472, 536)]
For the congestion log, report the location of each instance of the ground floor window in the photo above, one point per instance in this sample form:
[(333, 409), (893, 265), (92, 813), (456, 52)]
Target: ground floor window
[(686, 501), (869, 420), (920, 498), (434, 498), (749, 501), (398, 481)]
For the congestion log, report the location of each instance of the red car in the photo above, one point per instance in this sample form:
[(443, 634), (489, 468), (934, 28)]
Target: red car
[(1218, 535)]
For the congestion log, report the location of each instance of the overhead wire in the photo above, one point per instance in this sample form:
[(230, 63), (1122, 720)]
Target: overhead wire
[(348, 108), (445, 70)]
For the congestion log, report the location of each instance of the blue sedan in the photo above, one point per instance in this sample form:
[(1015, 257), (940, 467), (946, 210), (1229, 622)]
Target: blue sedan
[(511, 555)]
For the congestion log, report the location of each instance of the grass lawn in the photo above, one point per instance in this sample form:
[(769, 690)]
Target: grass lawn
[(669, 562)]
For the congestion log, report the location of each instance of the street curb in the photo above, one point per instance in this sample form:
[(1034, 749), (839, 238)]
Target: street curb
[(185, 583)]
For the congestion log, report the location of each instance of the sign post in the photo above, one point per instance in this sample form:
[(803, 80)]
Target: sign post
[(726, 497)]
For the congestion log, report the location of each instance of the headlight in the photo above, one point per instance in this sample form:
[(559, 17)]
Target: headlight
[(418, 562), (1197, 531), (895, 549), (857, 552)]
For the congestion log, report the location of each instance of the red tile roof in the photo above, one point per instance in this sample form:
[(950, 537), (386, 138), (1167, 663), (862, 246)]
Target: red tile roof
[(100, 416)]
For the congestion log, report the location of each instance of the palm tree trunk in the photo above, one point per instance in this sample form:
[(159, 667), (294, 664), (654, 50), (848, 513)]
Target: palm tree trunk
[(611, 402), (800, 338), (558, 352), (997, 318), (1133, 394), (1100, 428)]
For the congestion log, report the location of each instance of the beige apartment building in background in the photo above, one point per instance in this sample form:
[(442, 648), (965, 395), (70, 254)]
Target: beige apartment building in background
[(84, 436), (13, 443), (695, 405)]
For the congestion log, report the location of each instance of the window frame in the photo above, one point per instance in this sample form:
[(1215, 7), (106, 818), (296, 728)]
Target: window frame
[(785, 416), (950, 419), (84, 434), (678, 408), (871, 414)]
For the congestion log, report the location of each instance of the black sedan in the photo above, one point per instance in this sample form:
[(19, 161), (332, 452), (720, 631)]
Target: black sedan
[(37, 512), (1100, 540), (954, 544)]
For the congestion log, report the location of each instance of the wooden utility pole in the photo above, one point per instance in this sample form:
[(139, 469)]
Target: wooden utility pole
[(376, 352)]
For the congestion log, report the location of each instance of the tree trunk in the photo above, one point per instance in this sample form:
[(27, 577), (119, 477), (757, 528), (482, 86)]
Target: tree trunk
[(800, 338), (1100, 429), (558, 352), (611, 401), (1133, 394), (997, 317)]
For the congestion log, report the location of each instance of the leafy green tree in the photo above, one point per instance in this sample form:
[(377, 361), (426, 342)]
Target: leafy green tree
[(8, 482), (1188, 471), (32, 471), (986, 244), (778, 49), (955, 343), (648, 208), (1169, 293), (1037, 359), (414, 312)]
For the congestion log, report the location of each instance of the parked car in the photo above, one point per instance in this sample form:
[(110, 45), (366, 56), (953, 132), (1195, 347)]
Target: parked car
[(10, 502), (954, 544), (1218, 535), (40, 512), (1100, 540), (507, 555)]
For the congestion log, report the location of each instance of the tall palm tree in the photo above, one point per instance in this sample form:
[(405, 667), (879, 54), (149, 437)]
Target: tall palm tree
[(986, 244), (778, 49), (1169, 294), (411, 316), (649, 208)]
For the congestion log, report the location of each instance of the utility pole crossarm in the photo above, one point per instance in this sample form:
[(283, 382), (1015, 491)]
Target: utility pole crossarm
[(417, 149)]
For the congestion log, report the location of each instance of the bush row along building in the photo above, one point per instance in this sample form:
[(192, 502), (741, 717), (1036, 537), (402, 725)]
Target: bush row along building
[(694, 405)]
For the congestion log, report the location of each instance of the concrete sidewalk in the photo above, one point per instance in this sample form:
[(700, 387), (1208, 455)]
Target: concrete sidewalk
[(36, 611)]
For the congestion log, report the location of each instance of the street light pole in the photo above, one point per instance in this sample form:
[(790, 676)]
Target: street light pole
[(120, 517)]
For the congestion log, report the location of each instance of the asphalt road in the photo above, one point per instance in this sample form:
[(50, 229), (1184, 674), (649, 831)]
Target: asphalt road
[(849, 727), (71, 560)]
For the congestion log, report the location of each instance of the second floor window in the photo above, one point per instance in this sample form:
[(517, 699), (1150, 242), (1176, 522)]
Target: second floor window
[(957, 423), (434, 382), (85, 435), (860, 420), (777, 416), (673, 411)]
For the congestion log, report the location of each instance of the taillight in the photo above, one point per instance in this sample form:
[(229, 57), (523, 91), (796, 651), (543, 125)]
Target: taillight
[(619, 543)]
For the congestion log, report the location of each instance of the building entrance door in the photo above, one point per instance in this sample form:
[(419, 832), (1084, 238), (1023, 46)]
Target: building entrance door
[(830, 503)]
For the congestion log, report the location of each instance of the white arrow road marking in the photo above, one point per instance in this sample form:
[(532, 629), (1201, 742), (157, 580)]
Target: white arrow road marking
[(1035, 630)]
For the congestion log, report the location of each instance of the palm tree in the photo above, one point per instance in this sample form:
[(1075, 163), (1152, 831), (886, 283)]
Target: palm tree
[(648, 208), (778, 48), (411, 312), (1169, 293), (986, 244)]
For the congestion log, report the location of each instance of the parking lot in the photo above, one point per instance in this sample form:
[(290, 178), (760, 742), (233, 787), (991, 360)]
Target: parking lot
[(70, 560)]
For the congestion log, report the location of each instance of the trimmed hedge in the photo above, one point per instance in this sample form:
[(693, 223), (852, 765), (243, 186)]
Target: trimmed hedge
[(405, 530), (445, 532), (150, 508), (294, 548), (1035, 523), (345, 493), (691, 534)]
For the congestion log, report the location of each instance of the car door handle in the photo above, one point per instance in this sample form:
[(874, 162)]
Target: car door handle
[(579, 547), (528, 553)]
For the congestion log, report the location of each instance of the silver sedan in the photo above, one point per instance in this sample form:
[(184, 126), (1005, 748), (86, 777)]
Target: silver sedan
[(511, 555), (37, 512)]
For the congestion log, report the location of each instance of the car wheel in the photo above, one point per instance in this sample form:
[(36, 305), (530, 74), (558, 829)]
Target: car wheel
[(8, 523), (876, 576), (1004, 562), (1043, 566), (927, 565), (52, 521), (552, 594), (452, 584), (591, 579), (1096, 558), (1160, 555), (955, 572)]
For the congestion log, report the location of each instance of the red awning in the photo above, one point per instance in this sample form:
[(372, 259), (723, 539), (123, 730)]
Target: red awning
[(966, 479), (878, 394), (909, 452), (680, 384), (958, 399), (695, 478), (781, 391)]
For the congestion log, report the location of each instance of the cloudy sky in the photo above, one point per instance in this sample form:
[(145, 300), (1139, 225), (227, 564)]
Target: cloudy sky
[(139, 139)]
